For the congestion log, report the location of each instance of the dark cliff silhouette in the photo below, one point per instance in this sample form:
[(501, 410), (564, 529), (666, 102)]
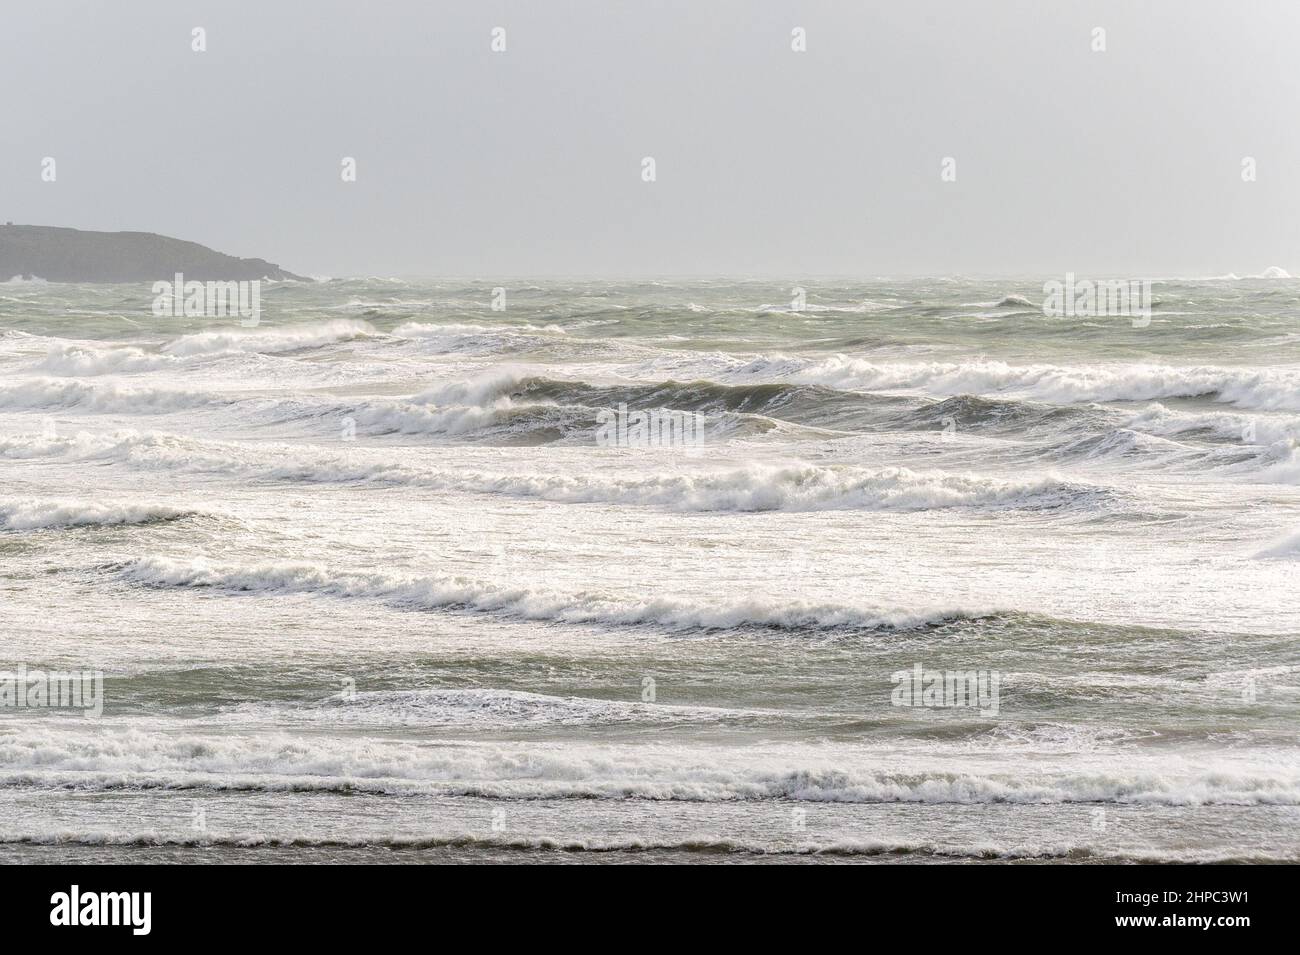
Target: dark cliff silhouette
[(71, 255)]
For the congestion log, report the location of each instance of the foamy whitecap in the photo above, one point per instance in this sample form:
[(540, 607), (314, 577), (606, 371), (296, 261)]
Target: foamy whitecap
[(811, 773), (439, 592), (268, 339), (1287, 548), (33, 514), (1258, 388), (755, 487)]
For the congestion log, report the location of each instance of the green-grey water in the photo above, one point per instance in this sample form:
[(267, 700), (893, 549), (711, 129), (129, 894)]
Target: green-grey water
[(367, 582)]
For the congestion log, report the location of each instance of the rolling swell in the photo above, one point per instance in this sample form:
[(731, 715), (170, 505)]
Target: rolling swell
[(446, 592), (37, 514), (813, 773), (510, 407), (751, 488)]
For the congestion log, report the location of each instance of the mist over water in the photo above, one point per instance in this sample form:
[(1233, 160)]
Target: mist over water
[(369, 577)]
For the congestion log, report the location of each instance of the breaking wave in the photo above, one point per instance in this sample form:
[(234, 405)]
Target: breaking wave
[(1258, 388), (270, 340), (444, 592), (755, 487), (34, 514), (137, 759), (1287, 549), (100, 397)]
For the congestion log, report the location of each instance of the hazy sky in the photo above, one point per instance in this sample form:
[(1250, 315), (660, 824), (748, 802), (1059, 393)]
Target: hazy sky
[(769, 161)]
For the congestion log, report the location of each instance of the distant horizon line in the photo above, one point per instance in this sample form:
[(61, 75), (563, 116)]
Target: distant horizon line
[(722, 276), (786, 279)]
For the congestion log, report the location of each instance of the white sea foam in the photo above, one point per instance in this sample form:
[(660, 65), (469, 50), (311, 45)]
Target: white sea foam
[(84, 359), (30, 514), (1130, 527), (483, 389), (271, 339), (1263, 429), (1283, 464), (380, 415), (456, 408), (797, 488), (417, 416), (438, 592), (1287, 548), (754, 487), (123, 757), (1257, 388), (103, 397)]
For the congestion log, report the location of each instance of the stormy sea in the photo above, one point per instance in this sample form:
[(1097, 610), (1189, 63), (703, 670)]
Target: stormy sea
[(878, 571)]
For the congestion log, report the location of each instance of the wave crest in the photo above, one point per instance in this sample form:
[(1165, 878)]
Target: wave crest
[(35, 514), (443, 592), (270, 340)]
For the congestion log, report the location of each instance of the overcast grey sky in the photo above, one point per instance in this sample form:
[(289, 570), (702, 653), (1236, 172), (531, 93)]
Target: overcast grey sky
[(768, 161)]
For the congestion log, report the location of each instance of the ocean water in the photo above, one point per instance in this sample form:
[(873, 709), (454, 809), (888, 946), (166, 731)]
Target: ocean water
[(370, 581)]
